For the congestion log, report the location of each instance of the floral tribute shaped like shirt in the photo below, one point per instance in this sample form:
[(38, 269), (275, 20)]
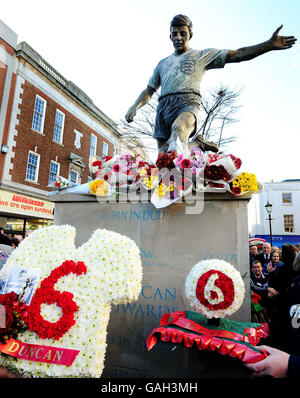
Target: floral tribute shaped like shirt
[(71, 305)]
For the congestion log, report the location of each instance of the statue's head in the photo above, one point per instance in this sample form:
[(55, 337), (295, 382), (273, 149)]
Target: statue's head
[(181, 32), (182, 20)]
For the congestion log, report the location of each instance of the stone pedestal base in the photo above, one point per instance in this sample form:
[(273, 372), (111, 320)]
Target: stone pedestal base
[(171, 242)]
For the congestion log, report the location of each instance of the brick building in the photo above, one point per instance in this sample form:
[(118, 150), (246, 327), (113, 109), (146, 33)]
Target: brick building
[(48, 127)]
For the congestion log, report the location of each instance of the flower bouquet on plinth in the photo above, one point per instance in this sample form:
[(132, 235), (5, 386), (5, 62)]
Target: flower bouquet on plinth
[(95, 165), (124, 169), (138, 173), (172, 186), (244, 184), (149, 177), (220, 169), (61, 183), (215, 290), (166, 160), (178, 175), (61, 331), (100, 187), (196, 171), (192, 167), (230, 162), (211, 186), (194, 160), (122, 172)]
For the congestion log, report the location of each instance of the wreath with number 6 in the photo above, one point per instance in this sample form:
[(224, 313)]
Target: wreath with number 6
[(46, 294)]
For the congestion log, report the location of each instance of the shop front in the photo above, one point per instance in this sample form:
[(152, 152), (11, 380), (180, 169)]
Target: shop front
[(21, 214)]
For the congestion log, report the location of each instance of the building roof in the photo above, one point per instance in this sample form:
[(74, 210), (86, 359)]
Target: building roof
[(37, 61), (8, 35)]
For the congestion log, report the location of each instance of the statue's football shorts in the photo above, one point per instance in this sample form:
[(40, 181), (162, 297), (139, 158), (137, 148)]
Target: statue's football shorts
[(170, 106)]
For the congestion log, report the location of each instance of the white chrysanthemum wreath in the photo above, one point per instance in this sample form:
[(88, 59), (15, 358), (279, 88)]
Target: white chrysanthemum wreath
[(72, 302), (214, 288)]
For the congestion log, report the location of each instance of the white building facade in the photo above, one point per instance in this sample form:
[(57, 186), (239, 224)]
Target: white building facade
[(285, 224)]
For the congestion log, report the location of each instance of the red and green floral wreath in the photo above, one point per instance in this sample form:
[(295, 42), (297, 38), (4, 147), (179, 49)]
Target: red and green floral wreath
[(233, 338)]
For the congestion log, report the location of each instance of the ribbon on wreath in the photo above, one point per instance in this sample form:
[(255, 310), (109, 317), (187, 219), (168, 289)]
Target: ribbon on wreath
[(39, 353), (224, 342)]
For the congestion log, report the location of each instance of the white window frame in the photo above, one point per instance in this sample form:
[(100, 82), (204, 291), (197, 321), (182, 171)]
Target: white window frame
[(37, 167), (77, 175), (94, 148), (288, 226), (41, 131), (61, 127), (286, 203), (58, 170), (104, 145)]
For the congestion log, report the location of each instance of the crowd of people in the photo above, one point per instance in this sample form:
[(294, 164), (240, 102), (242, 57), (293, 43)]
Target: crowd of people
[(8, 240), (275, 299), (271, 273), (7, 245)]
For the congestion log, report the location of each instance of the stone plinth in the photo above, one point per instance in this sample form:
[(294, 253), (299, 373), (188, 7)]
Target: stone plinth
[(171, 241)]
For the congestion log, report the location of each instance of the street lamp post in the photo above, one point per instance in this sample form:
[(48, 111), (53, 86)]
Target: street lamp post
[(268, 207)]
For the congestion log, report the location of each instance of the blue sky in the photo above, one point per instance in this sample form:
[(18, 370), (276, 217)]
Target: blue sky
[(109, 50)]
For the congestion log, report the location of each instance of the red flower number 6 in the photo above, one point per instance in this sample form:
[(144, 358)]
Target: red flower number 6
[(46, 294)]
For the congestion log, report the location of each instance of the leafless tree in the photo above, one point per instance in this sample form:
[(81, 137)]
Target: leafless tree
[(218, 111)]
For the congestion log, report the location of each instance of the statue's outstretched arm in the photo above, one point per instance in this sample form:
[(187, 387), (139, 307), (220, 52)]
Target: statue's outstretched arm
[(142, 99), (276, 42)]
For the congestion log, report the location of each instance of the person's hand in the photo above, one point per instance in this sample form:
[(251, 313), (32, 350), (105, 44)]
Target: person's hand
[(5, 374), (130, 114), (270, 268), (281, 42), (272, 292), (275, 365)]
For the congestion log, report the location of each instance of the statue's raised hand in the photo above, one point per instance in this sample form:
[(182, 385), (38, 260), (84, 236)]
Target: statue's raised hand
[(130, 114), (282, 42)]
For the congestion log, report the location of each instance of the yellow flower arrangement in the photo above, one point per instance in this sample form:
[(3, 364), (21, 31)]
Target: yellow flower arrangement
[(99, 187), (163, 189), (246, 182), (143, 172), (150, 181)]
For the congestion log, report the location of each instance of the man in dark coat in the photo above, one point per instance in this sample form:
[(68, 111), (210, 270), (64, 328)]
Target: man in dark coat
[(265, 256)]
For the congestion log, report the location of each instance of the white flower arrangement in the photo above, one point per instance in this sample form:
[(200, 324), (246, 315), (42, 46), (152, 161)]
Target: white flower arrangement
[(214, 288), (113, 275)]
